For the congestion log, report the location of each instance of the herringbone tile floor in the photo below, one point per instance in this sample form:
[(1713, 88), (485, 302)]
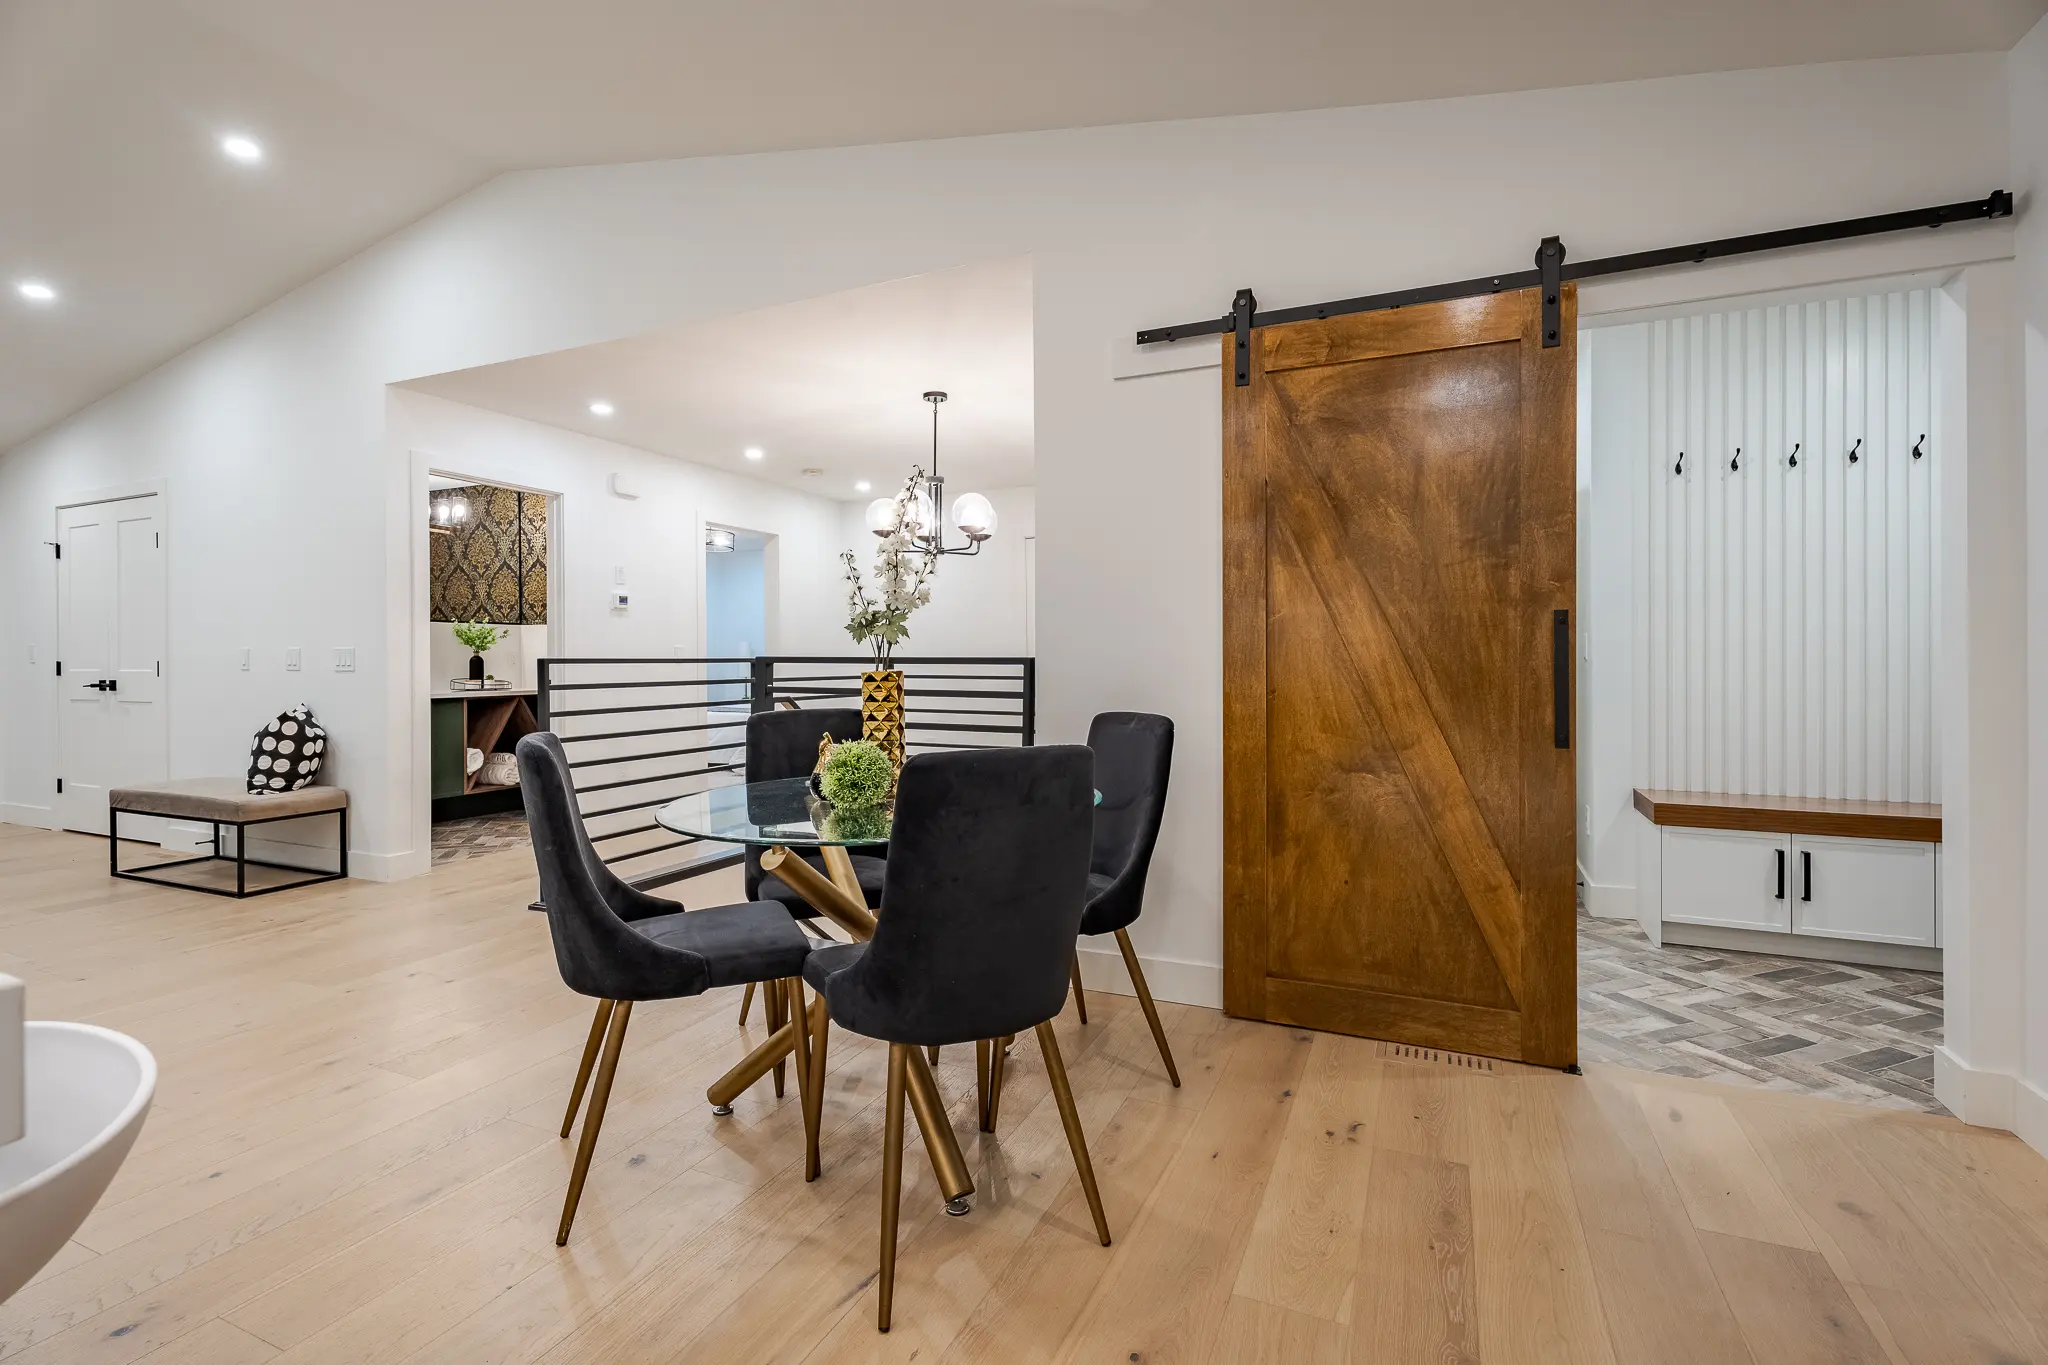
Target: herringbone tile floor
[(1845, 1032)]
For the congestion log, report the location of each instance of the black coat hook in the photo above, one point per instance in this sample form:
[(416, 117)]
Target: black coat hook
[(1735, 465), (1794, 461), (1853, 449), (1679, 468), (1917, 452)]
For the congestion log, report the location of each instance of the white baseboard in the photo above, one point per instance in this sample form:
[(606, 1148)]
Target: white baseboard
[(1610, 902), (1981, 1098), (2030, 1115), (36, 817), (389, 867), (1169, 978)]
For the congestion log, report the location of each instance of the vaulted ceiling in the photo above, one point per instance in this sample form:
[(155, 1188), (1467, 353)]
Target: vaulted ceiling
[(372, 113)]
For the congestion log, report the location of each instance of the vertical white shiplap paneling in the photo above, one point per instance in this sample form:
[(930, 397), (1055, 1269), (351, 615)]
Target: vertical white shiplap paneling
[(1786, 628)]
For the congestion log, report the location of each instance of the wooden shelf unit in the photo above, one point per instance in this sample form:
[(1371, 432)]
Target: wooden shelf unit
[(491, 721)]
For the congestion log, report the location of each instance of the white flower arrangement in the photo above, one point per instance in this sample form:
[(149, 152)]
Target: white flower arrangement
[(902, 572)]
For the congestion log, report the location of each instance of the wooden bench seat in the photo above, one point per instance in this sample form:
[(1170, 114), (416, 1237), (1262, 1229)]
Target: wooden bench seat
[(219, 801)]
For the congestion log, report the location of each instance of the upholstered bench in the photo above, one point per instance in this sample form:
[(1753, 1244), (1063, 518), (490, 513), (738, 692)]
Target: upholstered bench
[(221, 801)]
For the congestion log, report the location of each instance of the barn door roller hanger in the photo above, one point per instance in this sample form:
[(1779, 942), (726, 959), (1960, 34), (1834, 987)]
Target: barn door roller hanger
[(1552, 271)]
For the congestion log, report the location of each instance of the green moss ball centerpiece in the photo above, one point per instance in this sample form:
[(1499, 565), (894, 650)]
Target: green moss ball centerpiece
[(857, 775)]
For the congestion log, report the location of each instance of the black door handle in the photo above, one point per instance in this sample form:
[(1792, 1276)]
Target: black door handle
[(1561, 678), (1781, 873), (1805, 875)]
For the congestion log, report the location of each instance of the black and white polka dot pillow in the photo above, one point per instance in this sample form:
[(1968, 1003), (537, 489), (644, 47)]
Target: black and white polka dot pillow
[(287, 752)]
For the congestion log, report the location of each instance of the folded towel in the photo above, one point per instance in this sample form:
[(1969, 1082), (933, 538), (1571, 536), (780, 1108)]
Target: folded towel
[(500, 770), (472, 759)]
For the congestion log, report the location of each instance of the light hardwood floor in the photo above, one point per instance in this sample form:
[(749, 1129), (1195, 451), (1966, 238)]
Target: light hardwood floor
[(353, 1159)]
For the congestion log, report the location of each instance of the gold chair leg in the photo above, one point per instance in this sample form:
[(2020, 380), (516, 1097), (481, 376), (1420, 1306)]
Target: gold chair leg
[(590, 1045), (778, 1015), (981, 1081), (793, 992), (1123, 942), (892, 1175), (997, 1052), (1080, 996), (820, 1027), (1056, 1069), (746, 1003), (600, 1095)]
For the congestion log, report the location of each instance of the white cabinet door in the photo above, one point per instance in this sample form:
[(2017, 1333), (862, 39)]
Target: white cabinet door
[(1874, 889), (1731, 878)]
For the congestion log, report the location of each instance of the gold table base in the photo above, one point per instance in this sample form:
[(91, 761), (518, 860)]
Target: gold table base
[(840, 900)]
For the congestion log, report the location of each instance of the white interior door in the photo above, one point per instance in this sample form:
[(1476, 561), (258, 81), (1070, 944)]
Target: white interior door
[(110, 648)]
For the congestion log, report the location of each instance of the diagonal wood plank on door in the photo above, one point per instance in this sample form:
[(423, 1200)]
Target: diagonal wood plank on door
[(1389, 686)]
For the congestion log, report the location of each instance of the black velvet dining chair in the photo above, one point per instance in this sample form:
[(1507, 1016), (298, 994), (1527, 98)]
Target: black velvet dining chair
[(1133, 759), (622, 946), (987, 875), (782, 744)]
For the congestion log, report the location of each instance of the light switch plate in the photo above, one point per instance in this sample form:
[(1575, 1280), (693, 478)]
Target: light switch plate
[(291, 659), (345, 659), (245, 658)]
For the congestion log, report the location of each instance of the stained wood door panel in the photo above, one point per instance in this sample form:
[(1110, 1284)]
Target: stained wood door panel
[(1336, 771), (1398, 533)]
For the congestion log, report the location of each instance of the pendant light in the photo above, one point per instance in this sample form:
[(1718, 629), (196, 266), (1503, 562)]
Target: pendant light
[(972, 514), (447, 509)]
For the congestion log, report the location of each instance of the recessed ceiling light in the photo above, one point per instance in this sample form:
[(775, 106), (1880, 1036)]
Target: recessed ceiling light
[(35, 291), (600, 409), (755, 452), (237, 147), (862, 487)]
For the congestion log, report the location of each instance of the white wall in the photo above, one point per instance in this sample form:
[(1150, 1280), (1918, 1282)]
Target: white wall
[(1127, 226), (980, 603), (2029, 83), (512, 658)]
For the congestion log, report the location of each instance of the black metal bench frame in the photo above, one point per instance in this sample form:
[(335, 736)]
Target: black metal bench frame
[(241, 859)]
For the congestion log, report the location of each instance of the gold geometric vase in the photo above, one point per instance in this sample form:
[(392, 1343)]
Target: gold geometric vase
[(881, 712)]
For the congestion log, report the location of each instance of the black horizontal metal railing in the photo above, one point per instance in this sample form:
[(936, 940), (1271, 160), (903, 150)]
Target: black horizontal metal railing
[(686, 732)]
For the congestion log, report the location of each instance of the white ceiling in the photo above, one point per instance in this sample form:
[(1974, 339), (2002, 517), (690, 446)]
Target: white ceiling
[(375, 112), (831, 383)]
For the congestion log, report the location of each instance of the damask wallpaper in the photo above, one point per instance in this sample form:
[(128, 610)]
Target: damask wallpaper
[(495, 567)]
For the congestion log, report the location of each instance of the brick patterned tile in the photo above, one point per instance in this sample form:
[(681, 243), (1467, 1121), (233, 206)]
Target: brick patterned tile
[(1837, 1030)]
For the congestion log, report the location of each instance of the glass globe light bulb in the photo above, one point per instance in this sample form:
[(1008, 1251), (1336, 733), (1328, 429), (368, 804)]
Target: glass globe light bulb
[(918, 515), (975, 516), (458, 507), (881, 516), (438, 512)]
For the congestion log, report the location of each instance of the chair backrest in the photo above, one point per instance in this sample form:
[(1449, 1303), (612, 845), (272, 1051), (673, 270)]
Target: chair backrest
[(1133, 760), (988, 871), (785, 744), (598, 952)]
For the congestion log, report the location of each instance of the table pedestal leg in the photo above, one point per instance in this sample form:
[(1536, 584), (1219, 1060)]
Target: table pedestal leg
[(948, 1164)]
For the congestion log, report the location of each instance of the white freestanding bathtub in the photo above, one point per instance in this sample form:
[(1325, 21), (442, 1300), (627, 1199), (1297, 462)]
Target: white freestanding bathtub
[(87, 1090)]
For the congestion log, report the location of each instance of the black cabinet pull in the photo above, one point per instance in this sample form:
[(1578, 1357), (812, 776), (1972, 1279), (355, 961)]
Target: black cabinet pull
[(1781, 873), (1805, 875), (1561, 678)]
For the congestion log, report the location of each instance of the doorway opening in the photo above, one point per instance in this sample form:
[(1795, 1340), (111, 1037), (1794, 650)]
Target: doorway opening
[(489, 592), (736, 608), (1760, 586)]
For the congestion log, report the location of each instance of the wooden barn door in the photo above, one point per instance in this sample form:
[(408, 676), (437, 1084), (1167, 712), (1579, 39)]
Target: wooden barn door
[(1398, 779)]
